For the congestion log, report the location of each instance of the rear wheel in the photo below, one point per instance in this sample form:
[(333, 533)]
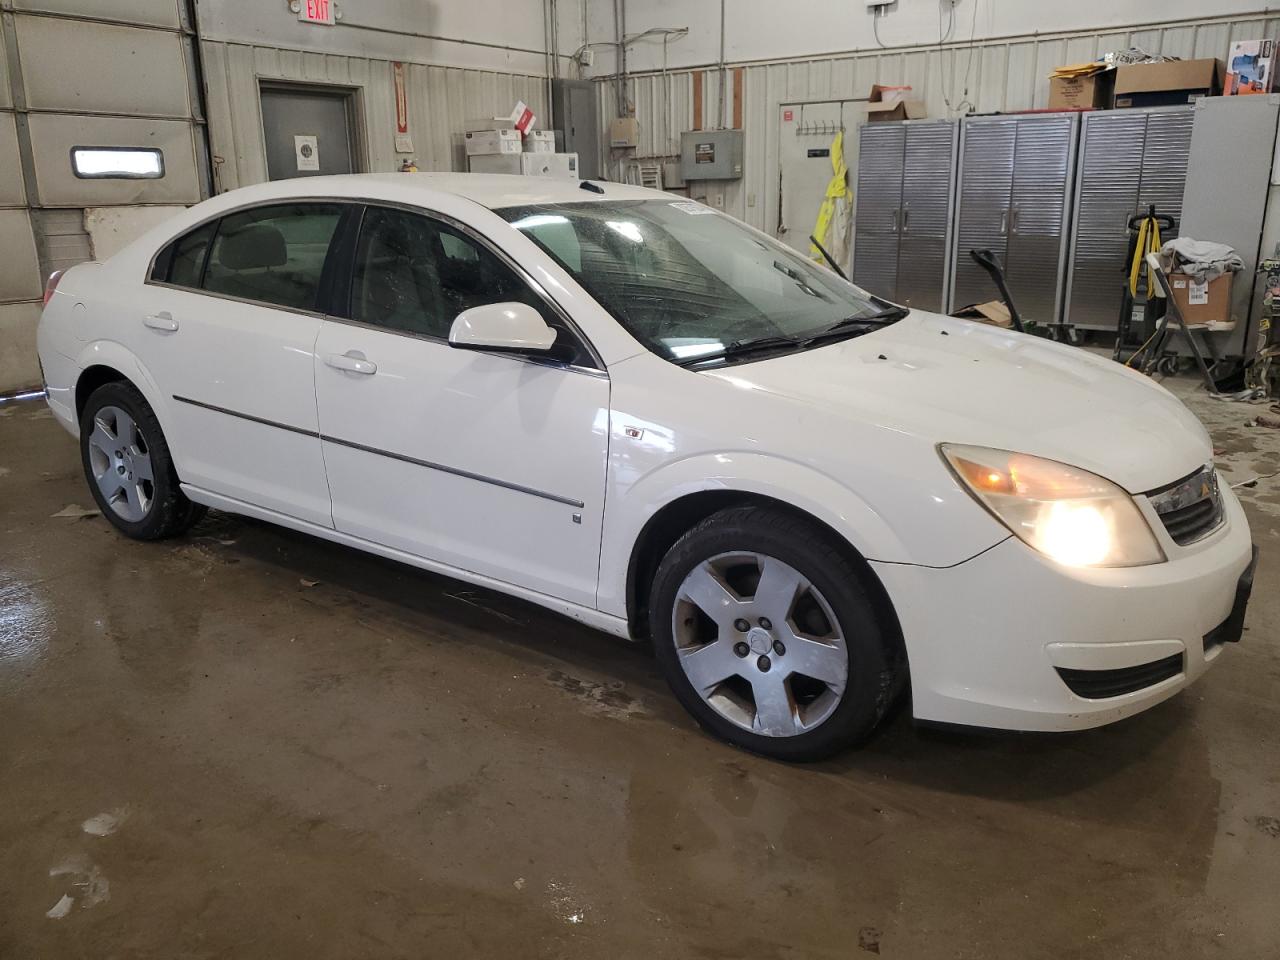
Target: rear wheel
[(766, 635), (128, 466)]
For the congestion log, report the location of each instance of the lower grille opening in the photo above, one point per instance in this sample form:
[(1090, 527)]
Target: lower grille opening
[(1100, 684)]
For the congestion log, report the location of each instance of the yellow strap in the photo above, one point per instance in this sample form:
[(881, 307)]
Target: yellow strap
[(1148, 242), (837, 189)]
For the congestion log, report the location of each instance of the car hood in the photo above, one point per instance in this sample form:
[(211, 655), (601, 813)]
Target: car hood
[(949, 380)]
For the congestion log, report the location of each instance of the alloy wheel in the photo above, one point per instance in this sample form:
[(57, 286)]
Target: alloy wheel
[(121, 464), (760, 644)]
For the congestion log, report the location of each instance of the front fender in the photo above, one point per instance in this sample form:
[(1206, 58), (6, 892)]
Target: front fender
[(631, 506)]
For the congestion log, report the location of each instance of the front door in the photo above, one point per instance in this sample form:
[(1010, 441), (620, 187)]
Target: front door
[(490, 463)]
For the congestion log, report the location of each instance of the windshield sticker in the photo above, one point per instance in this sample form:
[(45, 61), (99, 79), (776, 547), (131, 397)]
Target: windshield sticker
[(691, 206)]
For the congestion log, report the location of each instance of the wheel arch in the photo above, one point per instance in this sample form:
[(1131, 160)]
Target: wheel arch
[(677, 517)]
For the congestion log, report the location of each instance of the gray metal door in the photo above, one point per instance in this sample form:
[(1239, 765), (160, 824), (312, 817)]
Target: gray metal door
[(577, 117), (927, 180), (878, 208), (985, 193), (307, 132), (1043, 164)]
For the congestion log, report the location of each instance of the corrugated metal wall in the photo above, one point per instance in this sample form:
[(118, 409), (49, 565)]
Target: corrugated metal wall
[(1001, 75), (441, 99)]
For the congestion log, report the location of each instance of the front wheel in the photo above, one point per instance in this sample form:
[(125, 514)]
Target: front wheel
[(128, 466), (766, 635)]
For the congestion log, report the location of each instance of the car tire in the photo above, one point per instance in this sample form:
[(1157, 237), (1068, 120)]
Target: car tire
[(717, 554), (128, 466)]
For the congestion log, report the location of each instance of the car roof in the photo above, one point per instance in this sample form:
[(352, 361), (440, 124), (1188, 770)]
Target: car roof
[(487, 189)]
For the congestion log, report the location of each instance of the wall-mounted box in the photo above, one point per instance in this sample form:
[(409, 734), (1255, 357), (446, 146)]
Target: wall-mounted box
[(624, 132), (711, 154)]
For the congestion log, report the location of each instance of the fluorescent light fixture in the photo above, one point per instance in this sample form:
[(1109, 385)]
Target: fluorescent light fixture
[(120, 163)]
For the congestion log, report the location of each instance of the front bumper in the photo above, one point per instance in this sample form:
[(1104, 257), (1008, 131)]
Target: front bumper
[(1001, 639)]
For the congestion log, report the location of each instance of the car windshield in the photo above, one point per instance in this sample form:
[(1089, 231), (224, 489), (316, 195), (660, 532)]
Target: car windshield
[(692, 283)]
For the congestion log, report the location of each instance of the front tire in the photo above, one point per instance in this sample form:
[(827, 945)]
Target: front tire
[(765, 633), (128, 466)]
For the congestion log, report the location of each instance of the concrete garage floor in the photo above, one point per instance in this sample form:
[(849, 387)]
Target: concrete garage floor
[(253, 744)]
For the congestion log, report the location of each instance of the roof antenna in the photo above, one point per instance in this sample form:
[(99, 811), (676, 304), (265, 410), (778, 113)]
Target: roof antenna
[(593, 187)]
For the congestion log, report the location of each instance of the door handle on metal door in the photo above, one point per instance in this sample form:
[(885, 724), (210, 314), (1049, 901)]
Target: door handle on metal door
[(161, 321), (1004, 223), (1013, 220), (351, 361), (906, 217), (897, 220)]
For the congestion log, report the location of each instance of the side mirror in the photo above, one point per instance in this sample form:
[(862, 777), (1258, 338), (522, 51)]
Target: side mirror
[(502, 328)]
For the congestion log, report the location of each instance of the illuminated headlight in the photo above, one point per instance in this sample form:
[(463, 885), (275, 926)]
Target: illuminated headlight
[(1070, 515)]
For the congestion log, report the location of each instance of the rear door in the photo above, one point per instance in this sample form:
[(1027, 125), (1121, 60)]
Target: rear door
[(227, 328), (486, 462)]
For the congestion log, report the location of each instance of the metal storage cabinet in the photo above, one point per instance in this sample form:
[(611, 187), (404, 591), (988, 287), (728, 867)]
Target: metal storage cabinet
[(1013, 191), (1129, 160), (902, 221)]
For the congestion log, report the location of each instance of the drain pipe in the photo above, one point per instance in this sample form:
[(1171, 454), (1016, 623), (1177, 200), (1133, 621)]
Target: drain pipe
[(724, 75)]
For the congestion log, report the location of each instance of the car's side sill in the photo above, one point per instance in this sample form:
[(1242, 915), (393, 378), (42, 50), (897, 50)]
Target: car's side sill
[(592, 618)]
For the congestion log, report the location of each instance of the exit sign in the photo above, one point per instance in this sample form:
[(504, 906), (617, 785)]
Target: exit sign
[(316, 11)]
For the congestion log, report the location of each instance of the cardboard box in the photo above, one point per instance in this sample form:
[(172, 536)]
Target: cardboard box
[(540, 141), (1207, 304), (993, 312), (1250, 67), (485, 142), (1167, 84), (1093, 92), (892, 103), (480, 124)]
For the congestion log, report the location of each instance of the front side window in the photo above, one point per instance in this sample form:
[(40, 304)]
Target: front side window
[(688, 282), (416, 274), (273, 254)]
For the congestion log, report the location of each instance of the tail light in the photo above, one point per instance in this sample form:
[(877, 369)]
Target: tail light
[(51, 285)]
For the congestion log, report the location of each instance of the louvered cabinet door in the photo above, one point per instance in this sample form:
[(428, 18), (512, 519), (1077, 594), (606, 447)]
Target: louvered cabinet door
[(984, 193), (1165, 156), (1043, 163), (927, 180), (877, 210), (1110, 175)]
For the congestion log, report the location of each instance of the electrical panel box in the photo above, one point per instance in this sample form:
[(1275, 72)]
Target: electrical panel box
[(711, 154), (624, 132)]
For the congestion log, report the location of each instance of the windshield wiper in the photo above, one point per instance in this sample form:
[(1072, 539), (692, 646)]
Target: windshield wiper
[(848, 326), (741, 348)]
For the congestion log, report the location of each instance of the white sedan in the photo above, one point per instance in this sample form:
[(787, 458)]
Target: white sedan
[(634, 410)]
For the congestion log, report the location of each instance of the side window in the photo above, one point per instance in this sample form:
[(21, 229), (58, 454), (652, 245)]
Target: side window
[(182, 261), (273, 254), (417, 274)]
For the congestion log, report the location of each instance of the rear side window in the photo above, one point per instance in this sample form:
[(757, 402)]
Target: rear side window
[(273, 254), (182, 262)]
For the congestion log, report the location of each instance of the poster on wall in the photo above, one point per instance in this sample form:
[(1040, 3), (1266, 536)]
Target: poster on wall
[(404, 143), (307, 150)]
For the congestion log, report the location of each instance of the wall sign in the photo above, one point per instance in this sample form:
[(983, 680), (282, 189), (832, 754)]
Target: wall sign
[(404, 143), (307, 152), (316, 11), (704, 153)]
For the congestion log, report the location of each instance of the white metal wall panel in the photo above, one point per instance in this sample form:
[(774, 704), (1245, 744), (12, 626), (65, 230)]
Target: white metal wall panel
[(18, 367), (121, 70), (160, 13), (6, 97), (999, 76), (441, 100), (12, 193), (20, 280), (53, 136)]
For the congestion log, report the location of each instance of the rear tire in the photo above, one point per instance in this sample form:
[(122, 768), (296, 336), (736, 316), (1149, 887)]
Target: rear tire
[(765, 633), (128, 466)]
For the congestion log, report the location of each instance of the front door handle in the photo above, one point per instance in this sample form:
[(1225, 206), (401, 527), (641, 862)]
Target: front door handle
[(161, 321), (352, 361)]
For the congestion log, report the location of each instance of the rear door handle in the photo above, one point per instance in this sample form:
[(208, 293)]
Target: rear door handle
[(161, 321), (352, 361)]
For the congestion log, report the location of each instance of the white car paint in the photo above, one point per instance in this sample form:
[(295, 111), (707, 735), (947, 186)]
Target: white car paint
[(846, 432)]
